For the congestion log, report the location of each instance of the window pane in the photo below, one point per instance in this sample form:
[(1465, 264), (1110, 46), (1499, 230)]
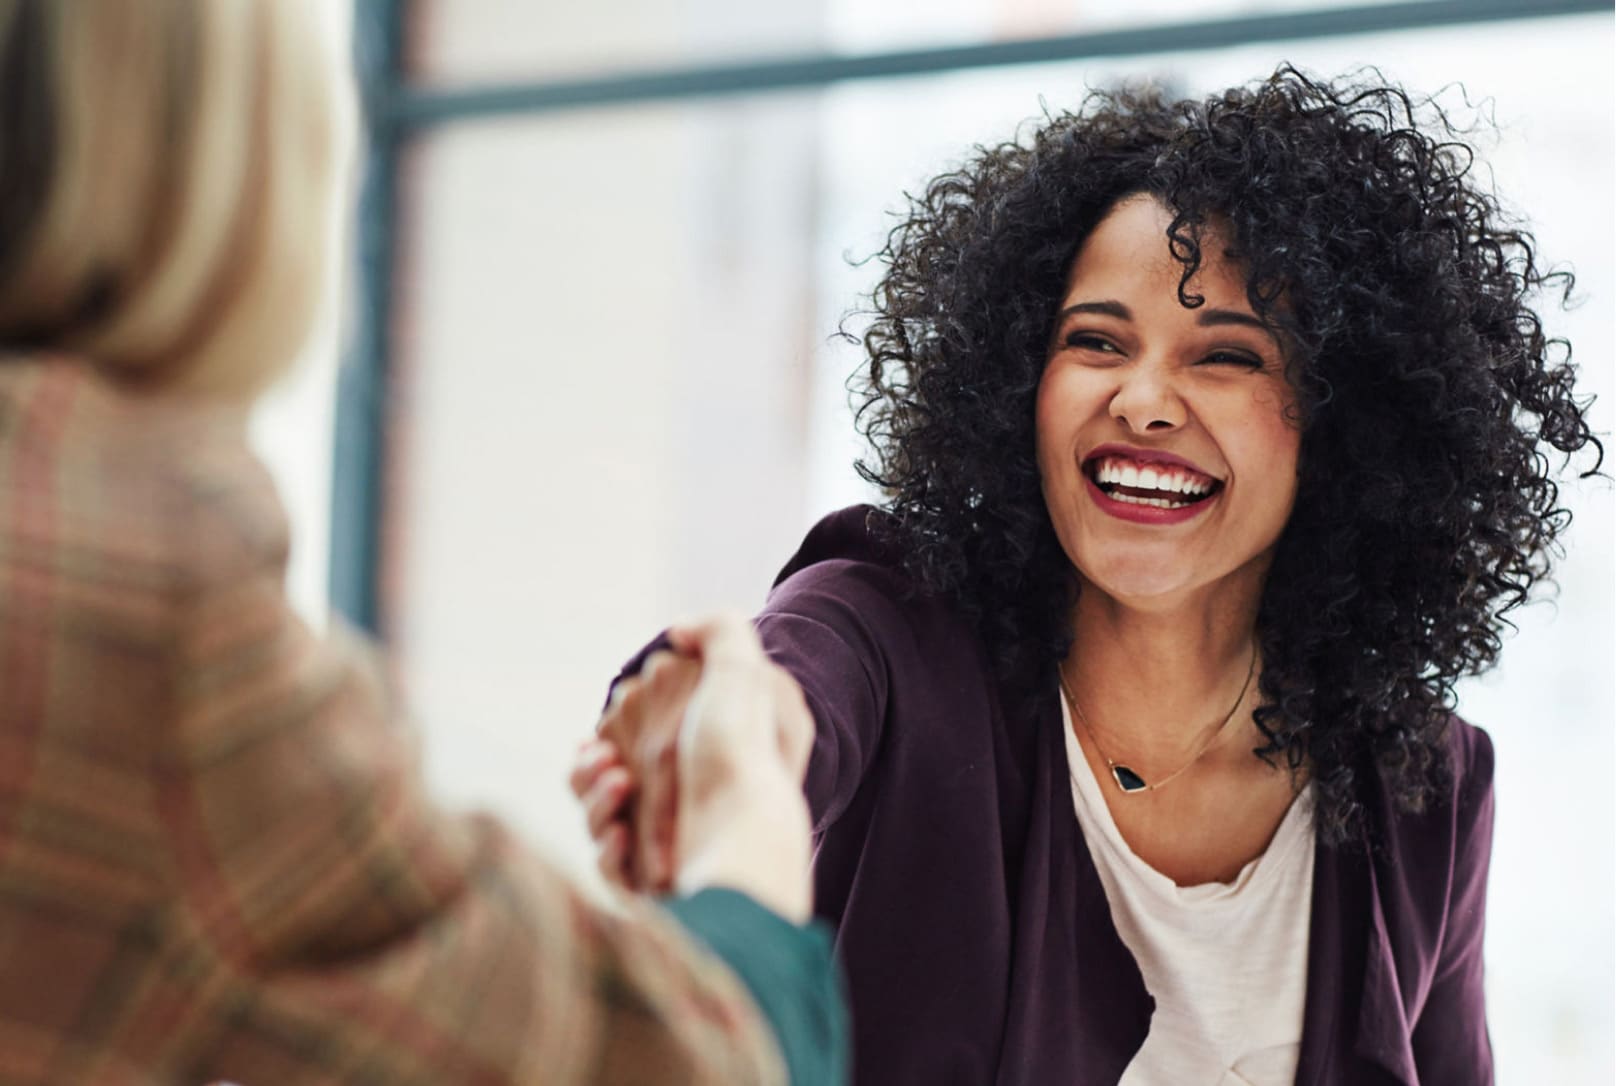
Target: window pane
[(456, 42), (606, 377), (459, 42)]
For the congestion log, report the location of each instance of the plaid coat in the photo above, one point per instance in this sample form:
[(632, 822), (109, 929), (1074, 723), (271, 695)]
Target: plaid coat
[(216, 860)]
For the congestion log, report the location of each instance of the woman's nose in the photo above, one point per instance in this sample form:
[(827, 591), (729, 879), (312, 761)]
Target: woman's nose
[(1146, 401)]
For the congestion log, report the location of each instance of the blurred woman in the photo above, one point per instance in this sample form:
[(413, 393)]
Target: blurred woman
[(1213, 436), (216, 860)]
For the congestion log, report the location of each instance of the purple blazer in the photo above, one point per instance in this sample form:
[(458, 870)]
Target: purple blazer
[(971, 923)]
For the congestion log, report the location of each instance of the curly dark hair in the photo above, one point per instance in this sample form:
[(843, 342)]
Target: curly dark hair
[(1428, 394)]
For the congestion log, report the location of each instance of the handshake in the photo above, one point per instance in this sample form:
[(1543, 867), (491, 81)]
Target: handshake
[(695, 777)]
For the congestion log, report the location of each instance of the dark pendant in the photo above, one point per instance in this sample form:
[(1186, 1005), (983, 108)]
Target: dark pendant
[(1127, 779)]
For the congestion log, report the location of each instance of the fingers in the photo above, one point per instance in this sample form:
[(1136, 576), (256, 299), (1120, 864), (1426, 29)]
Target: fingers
[(658, 819), (741, 822), (669, 682), (605, 790), (612, 856), (642, 723), (602, 783), (638, 699), (594, 757), (727, 636), (742, 690), (657, 669), (604, 802), (794, 724)]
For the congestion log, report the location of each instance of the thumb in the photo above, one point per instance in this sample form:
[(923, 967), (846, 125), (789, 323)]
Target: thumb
[(727, 637)]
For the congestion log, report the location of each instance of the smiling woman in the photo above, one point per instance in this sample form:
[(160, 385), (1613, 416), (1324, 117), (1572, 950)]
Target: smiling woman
[(1213, 438)]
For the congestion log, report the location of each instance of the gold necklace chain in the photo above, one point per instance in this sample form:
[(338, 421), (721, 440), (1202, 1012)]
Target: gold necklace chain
[(1127, 779)]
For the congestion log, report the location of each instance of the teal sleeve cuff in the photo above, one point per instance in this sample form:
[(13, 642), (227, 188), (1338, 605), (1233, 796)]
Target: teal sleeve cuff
[(790, 971)]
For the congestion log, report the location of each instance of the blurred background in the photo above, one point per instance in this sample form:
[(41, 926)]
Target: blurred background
[(584, 379)]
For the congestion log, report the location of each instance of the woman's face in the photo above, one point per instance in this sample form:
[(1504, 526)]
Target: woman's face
[(1165, 437)]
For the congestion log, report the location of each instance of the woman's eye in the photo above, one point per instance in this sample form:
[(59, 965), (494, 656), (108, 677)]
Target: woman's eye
[(1233, 358), (1085, 341)]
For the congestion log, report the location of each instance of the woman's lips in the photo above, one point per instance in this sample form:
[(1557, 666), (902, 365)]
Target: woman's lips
[(1124, 507), (1147, 486)]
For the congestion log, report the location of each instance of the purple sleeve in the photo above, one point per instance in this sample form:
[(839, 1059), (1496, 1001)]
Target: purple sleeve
[(832, 626), (1450, 1038)]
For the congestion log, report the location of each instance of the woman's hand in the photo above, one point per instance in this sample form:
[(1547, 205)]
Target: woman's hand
[(742, 821), (696, 777), (627, 778), (608, 791)]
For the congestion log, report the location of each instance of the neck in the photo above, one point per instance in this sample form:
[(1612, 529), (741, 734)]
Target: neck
[(1154, 684)]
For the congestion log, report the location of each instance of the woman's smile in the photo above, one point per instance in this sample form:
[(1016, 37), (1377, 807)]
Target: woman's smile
[(1147, 487)]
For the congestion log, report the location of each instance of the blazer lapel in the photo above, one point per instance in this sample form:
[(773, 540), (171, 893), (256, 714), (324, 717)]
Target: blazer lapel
[(1355, 1011), (1334, 944), (1079, 1010), (1384, 1033)]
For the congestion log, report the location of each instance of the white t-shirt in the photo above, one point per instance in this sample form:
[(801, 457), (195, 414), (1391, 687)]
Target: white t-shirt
[(1226, 962)]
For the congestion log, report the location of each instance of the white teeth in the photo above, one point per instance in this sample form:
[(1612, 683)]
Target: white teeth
[(1158, 503), (1119, 472)]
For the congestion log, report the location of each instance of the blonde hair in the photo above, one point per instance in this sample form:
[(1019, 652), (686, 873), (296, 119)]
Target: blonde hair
[(168, 192)]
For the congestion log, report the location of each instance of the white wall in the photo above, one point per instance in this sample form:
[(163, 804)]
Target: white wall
[(604, 357), (292, 426)]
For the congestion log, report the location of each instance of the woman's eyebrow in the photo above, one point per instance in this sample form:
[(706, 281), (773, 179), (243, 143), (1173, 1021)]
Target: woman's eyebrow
[(1212, 317), (1105, 309), (1206, 318)]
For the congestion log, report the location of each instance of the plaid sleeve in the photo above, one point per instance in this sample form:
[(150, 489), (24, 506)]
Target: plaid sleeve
[(336, 927), (216, 858)]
